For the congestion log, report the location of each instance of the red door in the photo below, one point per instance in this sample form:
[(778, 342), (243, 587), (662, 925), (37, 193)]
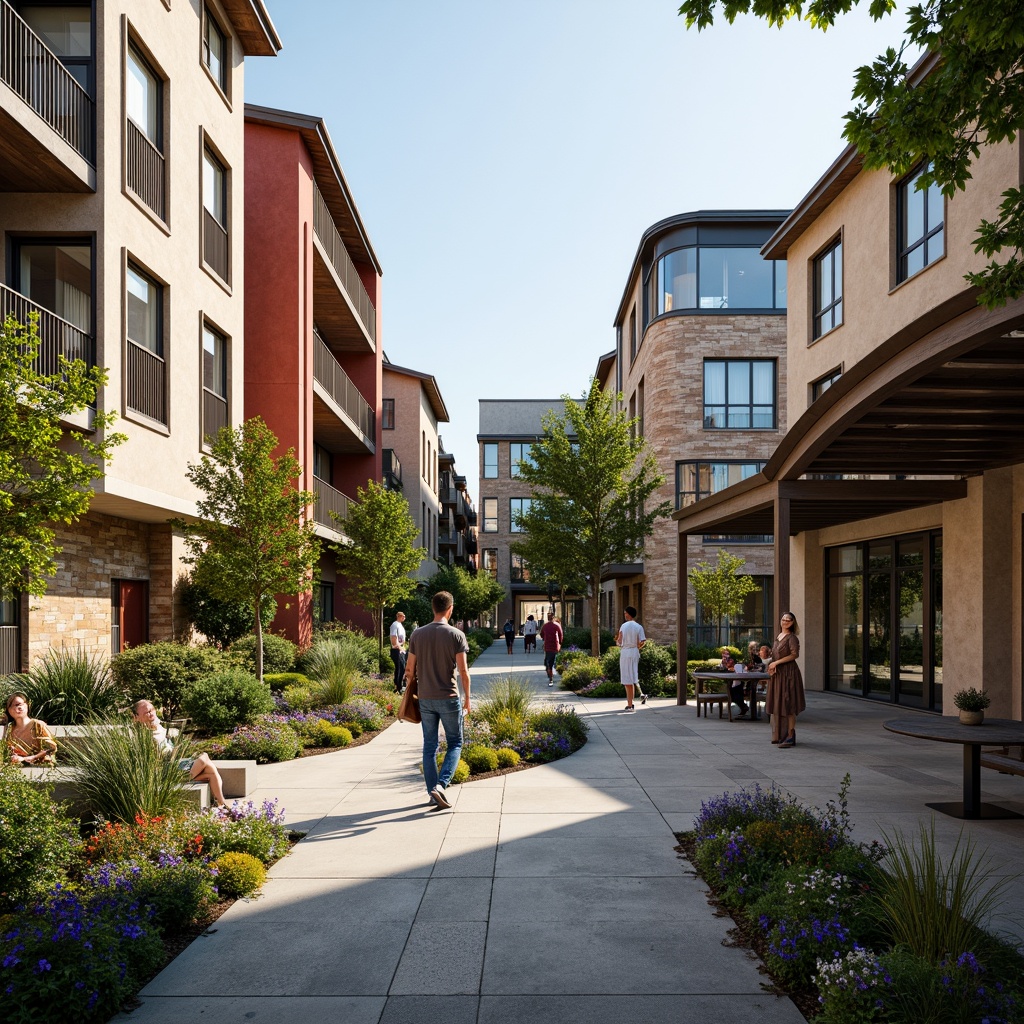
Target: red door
[(133, 612)]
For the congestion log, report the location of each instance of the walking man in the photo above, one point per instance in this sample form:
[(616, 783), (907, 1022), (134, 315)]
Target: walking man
[(551, 634), (436, 651), (630, 639), (398, 650)]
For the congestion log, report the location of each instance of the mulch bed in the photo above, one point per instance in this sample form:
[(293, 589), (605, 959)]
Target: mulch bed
[(743, 936)]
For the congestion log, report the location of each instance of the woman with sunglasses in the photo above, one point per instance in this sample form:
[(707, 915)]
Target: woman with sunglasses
[(785, 684)]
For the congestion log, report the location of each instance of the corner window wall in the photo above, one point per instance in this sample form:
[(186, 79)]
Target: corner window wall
[(715, 277)]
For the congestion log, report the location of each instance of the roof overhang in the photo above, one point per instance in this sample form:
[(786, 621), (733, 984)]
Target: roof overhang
[(429, 384), (255, 30), (621, 570)]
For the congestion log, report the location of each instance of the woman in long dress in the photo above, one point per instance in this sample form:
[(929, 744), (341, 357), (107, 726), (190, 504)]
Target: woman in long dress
[(785, 684)]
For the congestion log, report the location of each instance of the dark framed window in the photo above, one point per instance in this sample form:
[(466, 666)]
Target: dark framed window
[(324, 602), (215, 50), (820, 386), (618, 359), (755, 619), (739, 394), (10, 633), (145, 365), (697, 480), (717, 277), (828, 289), (519, 452), (632, 335), (518, 506), (490, 460), (490, 515), (518, 572), (491, 562), (920, 225), (216, 251), (145, 170), (323, 466), (215, 381), (387, 414), (66, 28)]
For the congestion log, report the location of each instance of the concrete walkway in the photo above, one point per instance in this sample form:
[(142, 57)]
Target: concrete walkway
[(548, 895)]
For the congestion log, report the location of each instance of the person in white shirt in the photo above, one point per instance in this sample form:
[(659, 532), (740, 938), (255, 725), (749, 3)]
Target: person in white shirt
[(630, 639), (530, 634), (398, 650)]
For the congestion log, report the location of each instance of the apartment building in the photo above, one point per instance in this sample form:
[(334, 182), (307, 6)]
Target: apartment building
[(457, 531), (121, 165), (412, 409), (896, 499), (700, 363), (313, 355), (508, 428)]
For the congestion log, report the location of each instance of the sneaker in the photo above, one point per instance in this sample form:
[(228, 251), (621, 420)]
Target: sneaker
[(438, 795), (629, 707), (551, 682), (643, 698)]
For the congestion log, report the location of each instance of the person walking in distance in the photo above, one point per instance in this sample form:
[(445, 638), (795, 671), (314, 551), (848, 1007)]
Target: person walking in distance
[(436, 652), (630, 639), (510, 633), (398, 650), (530, 634), (551, 634)]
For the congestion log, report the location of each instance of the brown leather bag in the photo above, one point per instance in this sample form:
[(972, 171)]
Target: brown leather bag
[(409, 709)]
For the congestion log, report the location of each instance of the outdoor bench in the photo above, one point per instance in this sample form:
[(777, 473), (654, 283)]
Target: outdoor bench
[(1007, 760)]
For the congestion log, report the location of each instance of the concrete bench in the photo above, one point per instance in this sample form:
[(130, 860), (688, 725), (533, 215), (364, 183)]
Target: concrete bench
[(64, 786)]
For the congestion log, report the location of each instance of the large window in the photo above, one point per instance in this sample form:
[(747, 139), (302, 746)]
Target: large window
[(215, 215), (146, 392), (518, 507), (739, 394), (920, 222), (387, 414), (67, 31), (215, 50), (519, 453), (712, 277), (519, 573), (490, 515), (490, 460), (754, 621), (144, 159), (491, 562), (828, 289), (215, 381), (697, 480)]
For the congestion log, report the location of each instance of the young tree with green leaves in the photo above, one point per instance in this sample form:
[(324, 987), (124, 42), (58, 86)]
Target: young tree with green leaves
[(255, 538), (45, 468), (473, 594), (720, 589), (592, 480), (377, 564), (973, 97)]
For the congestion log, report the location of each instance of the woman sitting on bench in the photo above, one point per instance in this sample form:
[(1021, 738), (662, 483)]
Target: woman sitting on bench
[(200, 768), (28, 741)]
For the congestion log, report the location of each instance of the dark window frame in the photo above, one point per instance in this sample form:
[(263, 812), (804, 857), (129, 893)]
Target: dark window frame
[(491, 569), (486, 466), (222, 80), (905, 246), (751, 405), (825, 261), (387, 414), (522, 510), (513, 460), (822, 384), (485, 518)]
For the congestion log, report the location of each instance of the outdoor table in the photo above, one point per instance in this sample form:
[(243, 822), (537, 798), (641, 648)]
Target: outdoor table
[(994, 732), (749, 691)]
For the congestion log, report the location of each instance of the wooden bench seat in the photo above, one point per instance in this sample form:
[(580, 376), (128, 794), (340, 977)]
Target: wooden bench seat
[(1007, 760), (704, 700)]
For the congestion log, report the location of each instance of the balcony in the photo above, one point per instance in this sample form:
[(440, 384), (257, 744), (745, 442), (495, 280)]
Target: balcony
[(10, 649), (144, 169), (339, 297), (329, 500), (392, 470), (343, 420), (215, 414), (57, 337), (215, 245), (146, 386), (47, 120)]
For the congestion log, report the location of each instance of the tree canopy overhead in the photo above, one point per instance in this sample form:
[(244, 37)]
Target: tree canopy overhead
[(972, 97)]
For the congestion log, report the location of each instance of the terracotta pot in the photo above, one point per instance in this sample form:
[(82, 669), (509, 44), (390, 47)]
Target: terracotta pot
[(972, 717)]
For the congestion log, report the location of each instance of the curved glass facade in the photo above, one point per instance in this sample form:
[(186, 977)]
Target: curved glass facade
[(716, 277)]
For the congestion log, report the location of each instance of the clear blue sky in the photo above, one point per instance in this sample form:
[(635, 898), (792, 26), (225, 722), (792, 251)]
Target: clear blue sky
[(507, 156)]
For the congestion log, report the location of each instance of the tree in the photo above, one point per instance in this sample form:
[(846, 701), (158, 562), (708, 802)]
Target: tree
[(221, 622), (720, 588), (254, 539), (591, 480), (473, 594), (45, 469), (376, 565), (973, 97)]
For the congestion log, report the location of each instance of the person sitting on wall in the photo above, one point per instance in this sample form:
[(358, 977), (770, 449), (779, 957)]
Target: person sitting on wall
[(199, 768), (28, 740)]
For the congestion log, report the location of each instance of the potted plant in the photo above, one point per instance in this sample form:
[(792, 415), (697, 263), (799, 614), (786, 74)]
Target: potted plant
[(972, 704)]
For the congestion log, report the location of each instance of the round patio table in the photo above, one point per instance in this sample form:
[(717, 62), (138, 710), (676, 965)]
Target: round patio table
[(994, 732)]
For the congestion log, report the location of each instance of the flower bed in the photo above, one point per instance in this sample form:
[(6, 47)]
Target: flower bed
[(847, 937)]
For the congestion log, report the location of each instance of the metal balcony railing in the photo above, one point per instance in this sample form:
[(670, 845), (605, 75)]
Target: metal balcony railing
[(10, 649), (30, 69), (144, 168), (146, 383), (57, 337), (215, 244), (330, 238), (328, 500), (215, 414), (327, 370)]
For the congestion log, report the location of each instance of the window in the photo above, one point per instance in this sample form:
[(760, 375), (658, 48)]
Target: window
[(696, 480), (215, 215), (490, 515), (144, 161), (322, 465), (618, 359), (490, 460), (10, 634), (215, 381), (920, 221), (215, 50), (145, 363), (519, 452), (739, 394), (828, 289), (519, 572), (819, 387), (67, 31), (632, 335), (491, 562), (387, 414), (323, 596), (518, 507), (711, 277), (640, 411)]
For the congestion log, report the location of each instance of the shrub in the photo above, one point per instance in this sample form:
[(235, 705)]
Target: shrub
[(579, 636), (265, 742), (506, 725), (278, 653), (37, 839), (355, 728), (566, 656), (461, 773), (123, 774), (562, 722), (161, 672), (277, 681), (508, 758), (655, 664), (67, 687), (244, 828), (333, 665), (381, 692), (328, 735), (226, 699), (370, 657), (480, 759), (239, 874), (482, 637), (360, 711), (221, 622), (145, 838), (474, 651), (542, 747), (506, 693), (580, 673), (298, 698)]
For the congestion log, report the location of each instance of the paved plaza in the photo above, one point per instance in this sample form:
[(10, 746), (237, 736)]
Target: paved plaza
[(552, 895)]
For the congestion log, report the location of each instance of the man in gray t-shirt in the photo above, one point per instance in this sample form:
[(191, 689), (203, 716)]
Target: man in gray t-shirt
[(436, 651)]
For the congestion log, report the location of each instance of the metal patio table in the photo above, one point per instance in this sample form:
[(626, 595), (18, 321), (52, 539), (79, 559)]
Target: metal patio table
[(750, 692)]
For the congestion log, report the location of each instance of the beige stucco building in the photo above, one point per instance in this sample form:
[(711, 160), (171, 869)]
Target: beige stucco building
[(121, 162)]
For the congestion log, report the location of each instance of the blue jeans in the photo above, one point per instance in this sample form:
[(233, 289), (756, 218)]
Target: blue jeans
[(447, 713)]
